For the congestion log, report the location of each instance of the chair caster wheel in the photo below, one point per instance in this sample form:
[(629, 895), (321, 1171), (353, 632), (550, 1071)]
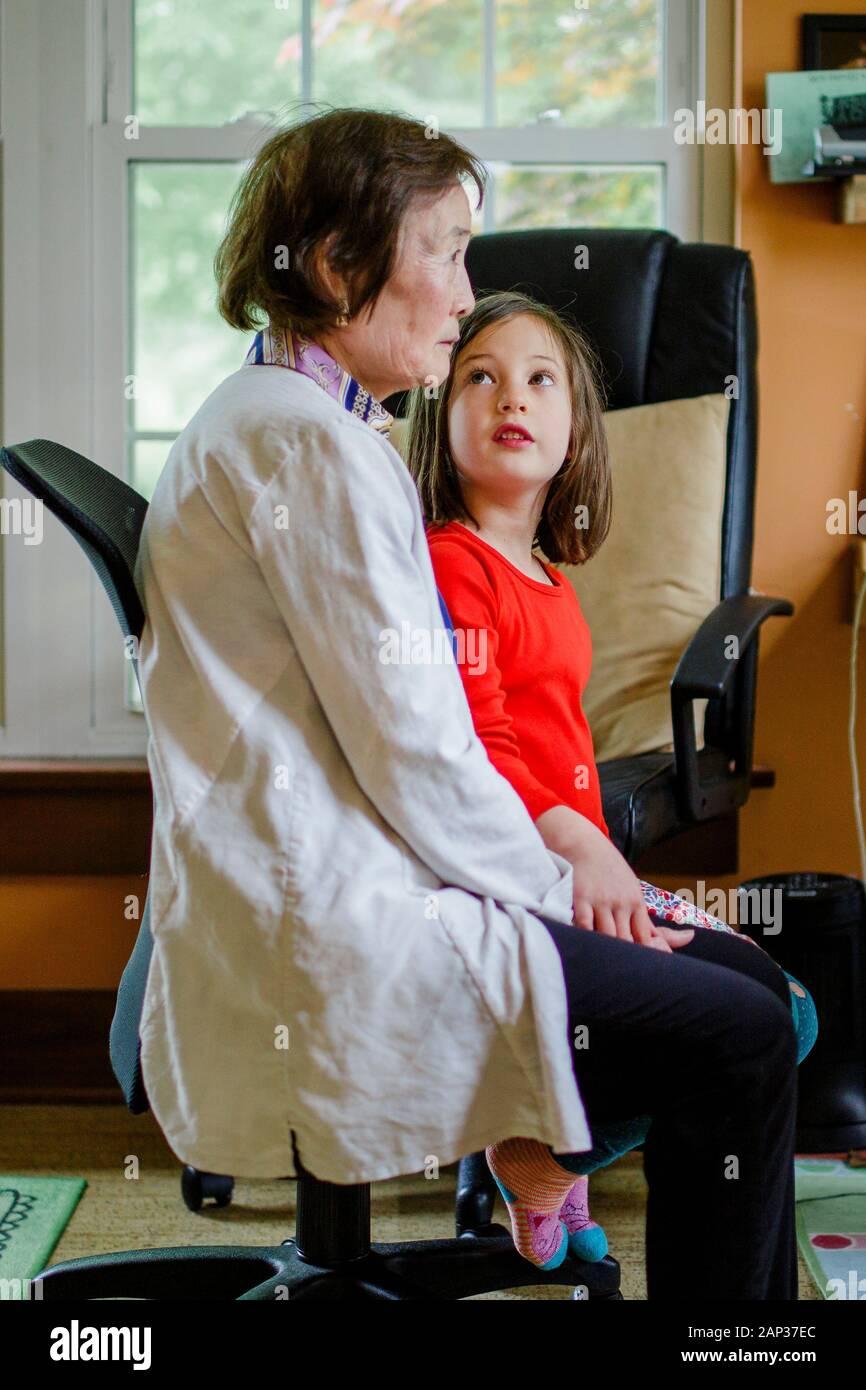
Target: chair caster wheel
[(196, 1186)]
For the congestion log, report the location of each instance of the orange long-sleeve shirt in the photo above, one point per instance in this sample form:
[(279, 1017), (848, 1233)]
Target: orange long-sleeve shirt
[(525, 655)]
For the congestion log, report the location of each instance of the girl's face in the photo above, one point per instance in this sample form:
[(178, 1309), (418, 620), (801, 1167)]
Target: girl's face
[(511, 374)]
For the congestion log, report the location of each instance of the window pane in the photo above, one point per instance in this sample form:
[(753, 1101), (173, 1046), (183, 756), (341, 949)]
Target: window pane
[(181, 347), (598, 64), (147, 461), (203, 62), (420, 58), (551, 195)]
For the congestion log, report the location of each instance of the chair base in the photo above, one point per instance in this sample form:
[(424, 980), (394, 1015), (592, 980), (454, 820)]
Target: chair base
[(481, 1262), (329, 1257)]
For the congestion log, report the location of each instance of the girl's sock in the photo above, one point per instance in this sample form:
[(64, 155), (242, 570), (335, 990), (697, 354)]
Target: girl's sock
[(805, 1017), (586, 1239), (533, 1187)]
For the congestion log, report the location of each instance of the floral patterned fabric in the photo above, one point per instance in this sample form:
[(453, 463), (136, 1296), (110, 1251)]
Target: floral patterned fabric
[(679, 911)]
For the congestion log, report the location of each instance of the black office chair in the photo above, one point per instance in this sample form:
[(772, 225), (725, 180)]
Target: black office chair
[(330, 1255), (669, 320)]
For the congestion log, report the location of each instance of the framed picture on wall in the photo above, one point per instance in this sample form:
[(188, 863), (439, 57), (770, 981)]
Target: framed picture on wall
[(834, 41)]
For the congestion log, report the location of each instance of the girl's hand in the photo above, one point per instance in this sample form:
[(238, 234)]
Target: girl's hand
[(677, 936), (607, 895)]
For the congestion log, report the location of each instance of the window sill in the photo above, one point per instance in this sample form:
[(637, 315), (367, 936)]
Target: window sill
[(75, 816)]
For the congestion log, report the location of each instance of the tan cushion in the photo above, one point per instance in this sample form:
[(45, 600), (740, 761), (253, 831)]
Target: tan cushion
[(658, 573)]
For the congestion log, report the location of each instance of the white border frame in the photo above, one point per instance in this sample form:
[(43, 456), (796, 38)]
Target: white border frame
[(64, 96)]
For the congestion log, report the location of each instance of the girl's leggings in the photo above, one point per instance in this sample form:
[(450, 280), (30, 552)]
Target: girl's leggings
[(695, 1043)]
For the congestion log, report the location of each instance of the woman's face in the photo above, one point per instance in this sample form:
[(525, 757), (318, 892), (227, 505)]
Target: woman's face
[(407, 339), (511, 372)]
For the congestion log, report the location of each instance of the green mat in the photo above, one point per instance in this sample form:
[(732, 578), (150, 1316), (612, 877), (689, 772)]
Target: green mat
[(33, 1215), (831, 1224)]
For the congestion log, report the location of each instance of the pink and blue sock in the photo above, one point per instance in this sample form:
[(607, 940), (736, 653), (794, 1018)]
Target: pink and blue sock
[(586, 1239), (533, 1187)]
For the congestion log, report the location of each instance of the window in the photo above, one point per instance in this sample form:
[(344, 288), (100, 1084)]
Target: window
[(522, 76), (155, 106)]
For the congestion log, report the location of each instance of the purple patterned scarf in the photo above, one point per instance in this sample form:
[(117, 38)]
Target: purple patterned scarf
[(277, 347)]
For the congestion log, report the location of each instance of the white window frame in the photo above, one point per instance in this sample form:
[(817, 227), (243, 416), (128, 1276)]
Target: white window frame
[(66, 95)]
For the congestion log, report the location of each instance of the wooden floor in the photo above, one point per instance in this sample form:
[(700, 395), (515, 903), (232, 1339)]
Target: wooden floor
[(118, 1212)]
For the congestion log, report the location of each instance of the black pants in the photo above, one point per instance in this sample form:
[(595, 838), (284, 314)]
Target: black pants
[(703, 1041)]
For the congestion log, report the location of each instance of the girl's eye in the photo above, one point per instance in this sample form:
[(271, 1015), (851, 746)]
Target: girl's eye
[(482, 371)]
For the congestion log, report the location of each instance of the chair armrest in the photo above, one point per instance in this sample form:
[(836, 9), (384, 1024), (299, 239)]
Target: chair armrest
[(705, 671)]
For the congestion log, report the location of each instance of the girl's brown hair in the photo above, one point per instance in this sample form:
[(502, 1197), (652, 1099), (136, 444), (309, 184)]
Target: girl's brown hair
[(583, 481), (348, 176)]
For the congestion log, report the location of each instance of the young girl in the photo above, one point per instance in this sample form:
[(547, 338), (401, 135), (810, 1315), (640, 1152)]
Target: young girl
[(509, 456)]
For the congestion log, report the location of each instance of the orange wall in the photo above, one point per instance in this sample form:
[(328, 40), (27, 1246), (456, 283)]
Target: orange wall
[(61, 932), (810, 274), (811, 300), (811, 294)]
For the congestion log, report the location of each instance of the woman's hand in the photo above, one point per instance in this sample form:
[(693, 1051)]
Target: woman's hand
[(607, 895)]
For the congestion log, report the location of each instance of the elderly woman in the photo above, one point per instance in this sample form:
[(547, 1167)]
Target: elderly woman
[(364, 957)]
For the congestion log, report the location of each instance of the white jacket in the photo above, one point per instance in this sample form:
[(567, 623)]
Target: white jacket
[(341, 882)]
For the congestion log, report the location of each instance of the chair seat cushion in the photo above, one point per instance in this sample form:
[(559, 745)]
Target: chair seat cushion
[(639, 799)]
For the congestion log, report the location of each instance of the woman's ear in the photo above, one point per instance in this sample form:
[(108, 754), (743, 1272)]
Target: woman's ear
[(332, 283)]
